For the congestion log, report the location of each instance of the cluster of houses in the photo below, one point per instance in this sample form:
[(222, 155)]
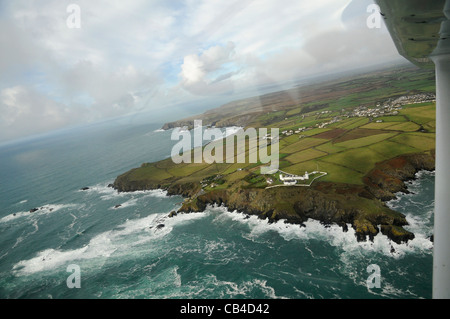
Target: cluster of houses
[(298, 131), (269, 137), (363, 111), (409, 99), (389, 107), (392, 106), (332, 121), (287, 132)]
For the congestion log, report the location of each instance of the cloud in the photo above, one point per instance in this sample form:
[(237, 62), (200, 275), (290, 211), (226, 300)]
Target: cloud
[(102, 70), (24, 112), (110, 89), (143, 55), (208, 72), (276, 44)]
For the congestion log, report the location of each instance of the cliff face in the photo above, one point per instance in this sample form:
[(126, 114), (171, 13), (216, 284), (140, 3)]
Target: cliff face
[(126, 183), (296, 205), (361, 206), (388, 177)]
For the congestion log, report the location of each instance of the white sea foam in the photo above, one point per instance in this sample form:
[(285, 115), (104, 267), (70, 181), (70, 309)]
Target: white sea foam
[(121, 241), (26, 234), (204, 286), (231, 289), (109, 193), (128, 203), (73, 221), (177, 280), (41, 210), (333, 234), (422, 173), (14, 216)]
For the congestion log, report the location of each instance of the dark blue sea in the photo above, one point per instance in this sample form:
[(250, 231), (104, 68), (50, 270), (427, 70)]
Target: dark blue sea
[(122, 253)]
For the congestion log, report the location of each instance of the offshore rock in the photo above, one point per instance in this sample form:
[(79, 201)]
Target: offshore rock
[(396, 233), (172, 214)]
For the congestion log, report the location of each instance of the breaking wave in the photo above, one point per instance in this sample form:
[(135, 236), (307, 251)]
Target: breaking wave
[(332, 234), (38, 211), (123, 240)]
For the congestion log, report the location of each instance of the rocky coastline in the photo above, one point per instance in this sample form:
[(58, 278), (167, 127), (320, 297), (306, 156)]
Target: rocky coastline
[(362, 206)]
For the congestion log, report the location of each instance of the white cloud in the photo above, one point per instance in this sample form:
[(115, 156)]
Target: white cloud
[(24, 111), (275, 43), (208, 72), (192, 69), (105, 85), (136, 55)]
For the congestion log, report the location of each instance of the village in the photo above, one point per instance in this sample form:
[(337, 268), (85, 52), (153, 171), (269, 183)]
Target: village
[(390, 107)]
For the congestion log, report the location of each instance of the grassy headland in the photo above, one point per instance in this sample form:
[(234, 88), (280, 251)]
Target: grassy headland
[(367, 133)]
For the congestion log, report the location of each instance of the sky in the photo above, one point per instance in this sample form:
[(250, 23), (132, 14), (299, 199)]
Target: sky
[(61, 69)]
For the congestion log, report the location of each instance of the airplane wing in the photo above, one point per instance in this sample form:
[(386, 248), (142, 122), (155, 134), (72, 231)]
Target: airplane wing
[(421, 31), (420, 28)]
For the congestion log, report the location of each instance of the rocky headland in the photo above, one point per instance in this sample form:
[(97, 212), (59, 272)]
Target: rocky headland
[(362, 206)]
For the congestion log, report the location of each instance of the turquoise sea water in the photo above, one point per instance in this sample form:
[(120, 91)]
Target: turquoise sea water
[(122, 253)]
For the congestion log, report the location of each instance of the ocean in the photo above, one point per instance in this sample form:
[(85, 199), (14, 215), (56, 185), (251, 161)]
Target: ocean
[(135, 251)]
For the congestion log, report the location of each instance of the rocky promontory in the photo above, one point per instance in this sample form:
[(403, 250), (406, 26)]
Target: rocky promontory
[(388, 177), (361, 206)]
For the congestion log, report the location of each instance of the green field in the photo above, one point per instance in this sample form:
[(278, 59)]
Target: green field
[(390, 149), (405, 127), (336, 173), (355, 124), (315, 131), (305, 155), (359, 159), (365, 141), (380, 126), (302, 144), (149, 172), (330, 148), (392, 118), (422, 115), (186, 169), (421, 143)]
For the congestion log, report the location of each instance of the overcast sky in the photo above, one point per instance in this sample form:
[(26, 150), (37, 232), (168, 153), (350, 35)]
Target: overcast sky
[(143, 55)]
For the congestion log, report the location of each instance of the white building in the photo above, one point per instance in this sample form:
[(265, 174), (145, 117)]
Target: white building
[(290, 179)]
